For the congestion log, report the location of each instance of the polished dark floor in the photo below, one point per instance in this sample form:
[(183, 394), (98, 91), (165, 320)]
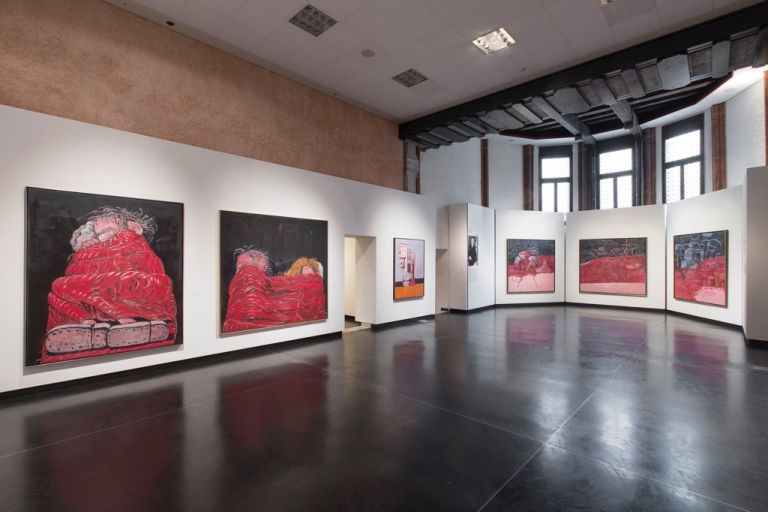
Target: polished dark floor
[(542, 408)]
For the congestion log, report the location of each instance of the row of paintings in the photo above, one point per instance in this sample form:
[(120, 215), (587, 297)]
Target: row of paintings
[(618, 266), (104, 274)]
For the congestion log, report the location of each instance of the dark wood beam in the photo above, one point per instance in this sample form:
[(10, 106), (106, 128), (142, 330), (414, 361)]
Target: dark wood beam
[(674, 72), (480, 126), (633, 83), (621, 108), (484, 172), (760, 57), (649, 166), (586, 176), (678, 42), (765, 109), (448, 134), (568, 121), (502, 120), (721, 57), (719, 162), (528, 177), (526, 113)]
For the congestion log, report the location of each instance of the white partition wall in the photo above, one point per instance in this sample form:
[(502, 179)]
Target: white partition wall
[(711, 212), (480, 223), (49, 152), (638, 222), (755, 253), (471, 287), (532, 225)]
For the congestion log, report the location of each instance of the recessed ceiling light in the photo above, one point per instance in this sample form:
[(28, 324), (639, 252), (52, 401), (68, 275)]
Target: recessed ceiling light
[(494, 41), (409, 78), (313, 20)]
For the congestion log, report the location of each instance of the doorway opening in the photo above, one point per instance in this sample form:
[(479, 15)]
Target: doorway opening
[(359, 282)]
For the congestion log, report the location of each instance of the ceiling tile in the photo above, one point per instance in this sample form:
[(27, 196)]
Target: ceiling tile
[(673, 12), (168, 7), (511, 9), (337, 9), (249, 26), (451, 10), (207, 17), (527, 25), (421, 19), (342, 37), (639, 27), (476, 23), (444, 40), (283, 9)]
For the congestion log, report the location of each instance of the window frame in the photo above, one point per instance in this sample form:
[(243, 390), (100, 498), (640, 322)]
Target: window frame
[(556, 152), (673, 130), (616, 144)]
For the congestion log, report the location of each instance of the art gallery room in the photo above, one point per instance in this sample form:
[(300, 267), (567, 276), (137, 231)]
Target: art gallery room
[(384, 255)]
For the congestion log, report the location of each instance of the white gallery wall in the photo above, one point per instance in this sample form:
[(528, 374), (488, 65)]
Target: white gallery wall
[(755, 215), (505, 174), (451, 174), (636, 222), (49, 152), (457, 257), (745, 132), (530, 225), (710, 212)]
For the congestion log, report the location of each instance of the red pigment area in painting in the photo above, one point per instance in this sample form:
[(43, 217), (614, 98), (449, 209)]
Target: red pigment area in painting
[(121, 278), (257, 300), (544, 262), (613, 269), (706, 283)]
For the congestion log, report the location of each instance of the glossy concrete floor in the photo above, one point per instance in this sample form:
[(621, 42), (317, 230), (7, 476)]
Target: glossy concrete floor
[(542, 408)]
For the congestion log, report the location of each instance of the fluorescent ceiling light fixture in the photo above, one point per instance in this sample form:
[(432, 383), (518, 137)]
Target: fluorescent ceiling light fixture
[(494, 41)]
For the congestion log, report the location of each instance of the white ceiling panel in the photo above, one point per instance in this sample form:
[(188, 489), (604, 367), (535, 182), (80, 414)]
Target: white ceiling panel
[(433, 36)]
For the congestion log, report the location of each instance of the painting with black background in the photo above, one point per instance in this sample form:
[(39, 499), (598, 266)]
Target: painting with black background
[(53, 216)]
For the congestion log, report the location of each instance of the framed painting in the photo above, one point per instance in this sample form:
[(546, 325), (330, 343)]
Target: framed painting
[(409, 269), (701, 267), (613, 266), (103, 275), (472, 251), (530, 266), (272, 271)]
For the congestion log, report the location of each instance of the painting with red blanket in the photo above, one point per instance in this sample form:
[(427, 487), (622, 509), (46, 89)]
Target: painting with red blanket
[(273, 271), (103, 273), (615, 266), (701, 267)]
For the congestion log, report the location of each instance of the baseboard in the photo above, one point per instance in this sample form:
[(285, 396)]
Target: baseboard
[(387, 325), (161, 368), (537, 304), (707, 320)]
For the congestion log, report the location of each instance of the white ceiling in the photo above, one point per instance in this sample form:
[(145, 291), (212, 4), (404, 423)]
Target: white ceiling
[(433, 36)]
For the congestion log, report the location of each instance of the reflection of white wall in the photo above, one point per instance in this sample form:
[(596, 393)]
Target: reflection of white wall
[(640, 221), (45, 151), (535, 226), (745, 132), (710, 212)]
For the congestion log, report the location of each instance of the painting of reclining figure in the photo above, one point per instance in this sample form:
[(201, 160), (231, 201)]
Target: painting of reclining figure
[(615, 266), (701, 267), (272, 271), (103, 273), (530, 266)]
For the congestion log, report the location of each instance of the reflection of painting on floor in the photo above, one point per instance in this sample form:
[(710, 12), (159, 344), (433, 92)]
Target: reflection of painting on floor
[(615, 266), (701, 267), (530, 266)]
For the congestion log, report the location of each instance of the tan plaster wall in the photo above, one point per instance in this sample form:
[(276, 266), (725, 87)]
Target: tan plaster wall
[(90, 61)]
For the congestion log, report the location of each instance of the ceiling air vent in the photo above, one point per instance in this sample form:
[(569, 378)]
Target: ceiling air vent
[(409, 78), (313, 20)]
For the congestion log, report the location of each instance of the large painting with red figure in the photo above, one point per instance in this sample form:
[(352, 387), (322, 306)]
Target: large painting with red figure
[(409, 269), (615, 266), (103, 273), (530, 266), (273, 271), (701, 267)]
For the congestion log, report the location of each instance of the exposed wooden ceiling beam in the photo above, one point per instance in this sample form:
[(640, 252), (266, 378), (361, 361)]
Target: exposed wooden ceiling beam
[(760, 58), (633, 83), (674, 72), (678, 42), (568, 121), (721, 54), (448, 134), (526, 113), (502, 120)]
